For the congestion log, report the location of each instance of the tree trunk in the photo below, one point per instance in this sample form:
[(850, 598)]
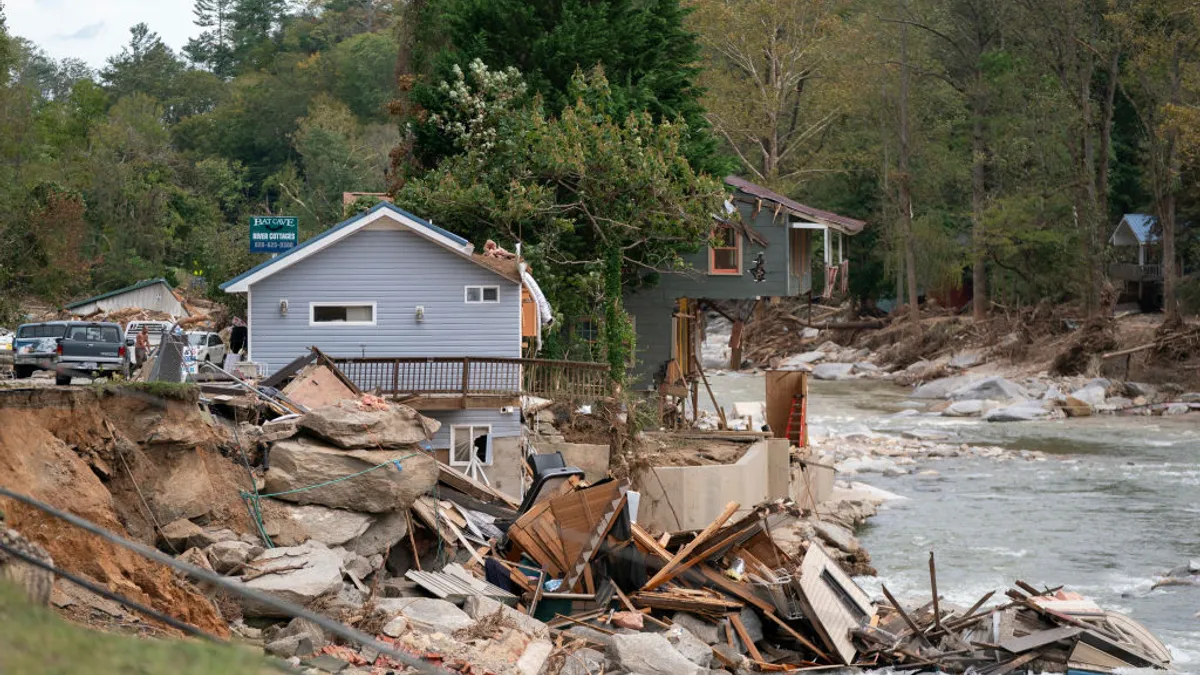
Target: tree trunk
[(979, 298), (905, 180)]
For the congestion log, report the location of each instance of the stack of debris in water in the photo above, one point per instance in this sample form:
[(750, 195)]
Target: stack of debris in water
[(1044, 631)]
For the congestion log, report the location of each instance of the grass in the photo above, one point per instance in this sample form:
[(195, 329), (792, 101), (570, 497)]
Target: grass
[(179, 391), (34, 640)]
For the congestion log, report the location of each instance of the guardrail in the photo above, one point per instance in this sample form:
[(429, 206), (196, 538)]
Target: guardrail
[(476, 376), (1135, 272)]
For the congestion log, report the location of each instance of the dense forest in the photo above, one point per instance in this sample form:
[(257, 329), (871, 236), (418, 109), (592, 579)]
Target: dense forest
[(990, 144)]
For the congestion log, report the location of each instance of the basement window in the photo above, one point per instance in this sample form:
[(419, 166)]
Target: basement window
[(470, 440), (482, 294), (342, 314), (725, 251)]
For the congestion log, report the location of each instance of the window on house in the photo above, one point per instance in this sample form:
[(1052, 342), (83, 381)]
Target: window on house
[(587, 329), (481, 294), (349, 314), (725, 251), (467, 441)]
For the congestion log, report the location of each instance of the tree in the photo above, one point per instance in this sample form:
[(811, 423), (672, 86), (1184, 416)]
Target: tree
[(647, 54), (362, 73), (1082, 51), (1162, 77), (588, 195), (969, 33), (769, 89), (214, 47), (144, 66), (254, 26)]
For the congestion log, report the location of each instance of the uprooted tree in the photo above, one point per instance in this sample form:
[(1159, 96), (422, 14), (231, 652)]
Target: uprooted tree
[(597, 202)]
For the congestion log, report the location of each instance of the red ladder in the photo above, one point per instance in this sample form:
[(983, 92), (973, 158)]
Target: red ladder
[(797, 421)]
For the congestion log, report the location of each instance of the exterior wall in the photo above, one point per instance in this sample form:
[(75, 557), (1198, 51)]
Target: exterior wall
[(157, 297), (505, 474), (652, 307), (699, 493), (398, 271), (504, 425)]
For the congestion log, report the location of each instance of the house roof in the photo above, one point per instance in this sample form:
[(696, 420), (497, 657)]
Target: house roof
[(448, 240), (827, 218), (1142, 225), (103, 296)]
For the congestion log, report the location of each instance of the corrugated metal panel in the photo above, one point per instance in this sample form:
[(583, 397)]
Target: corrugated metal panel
[(156, 297), (457, 590), (398, 271)]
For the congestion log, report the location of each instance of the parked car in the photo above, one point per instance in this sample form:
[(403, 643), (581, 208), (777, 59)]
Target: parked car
[(90, 349), (206, 346), (154, 329), (36, 347)]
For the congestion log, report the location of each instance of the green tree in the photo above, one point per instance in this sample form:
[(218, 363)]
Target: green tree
[(586, 193), (362, 74), (214, 46), (644, 48), (255, 28)]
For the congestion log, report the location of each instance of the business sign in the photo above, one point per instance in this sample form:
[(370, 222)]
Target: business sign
[(273, 234)]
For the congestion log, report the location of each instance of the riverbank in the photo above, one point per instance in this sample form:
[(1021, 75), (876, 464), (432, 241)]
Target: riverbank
[(1104, 504)]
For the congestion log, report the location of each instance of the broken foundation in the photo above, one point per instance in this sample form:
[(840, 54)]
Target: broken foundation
[(690, 497)]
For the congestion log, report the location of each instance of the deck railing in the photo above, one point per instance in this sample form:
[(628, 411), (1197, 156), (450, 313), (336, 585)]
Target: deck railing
[(1135, 272), (476, 376)]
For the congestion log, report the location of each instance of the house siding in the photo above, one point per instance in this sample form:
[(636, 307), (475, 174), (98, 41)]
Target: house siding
[(398, 271), (652, 307), (504, 425)]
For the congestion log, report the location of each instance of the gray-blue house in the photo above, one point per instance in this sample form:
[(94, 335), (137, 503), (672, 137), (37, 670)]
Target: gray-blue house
[(422, 316), (761, 249)]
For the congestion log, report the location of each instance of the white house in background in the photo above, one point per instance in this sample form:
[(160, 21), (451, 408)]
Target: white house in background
[(1139, 264), (152, 294)]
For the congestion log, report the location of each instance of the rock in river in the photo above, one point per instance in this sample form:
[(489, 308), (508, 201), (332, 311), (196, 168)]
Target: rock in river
[(990, 389), (833, 371), (1021, 412), (941, 388)]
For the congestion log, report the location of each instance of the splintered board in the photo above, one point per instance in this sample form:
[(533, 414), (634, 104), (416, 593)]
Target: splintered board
[(584, 517), (835, 604)]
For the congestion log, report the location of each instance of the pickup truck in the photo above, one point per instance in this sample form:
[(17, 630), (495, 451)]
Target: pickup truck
[(35, 347), (88, 349)]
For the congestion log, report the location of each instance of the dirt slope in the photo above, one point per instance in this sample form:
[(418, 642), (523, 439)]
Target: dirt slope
[(61, 446)]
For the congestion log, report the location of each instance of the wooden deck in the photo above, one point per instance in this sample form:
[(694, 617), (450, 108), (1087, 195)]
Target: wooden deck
[(453, 382)]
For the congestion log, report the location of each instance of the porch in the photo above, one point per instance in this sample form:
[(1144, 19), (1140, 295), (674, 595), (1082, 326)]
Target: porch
[(462, 382), (1135, 272)]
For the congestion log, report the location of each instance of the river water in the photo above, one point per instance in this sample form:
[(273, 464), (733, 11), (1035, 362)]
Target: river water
[(1117, 502)]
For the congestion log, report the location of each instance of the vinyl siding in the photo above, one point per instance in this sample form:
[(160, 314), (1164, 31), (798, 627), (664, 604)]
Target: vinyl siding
[(398, 271), (652, 307), (504, 425)]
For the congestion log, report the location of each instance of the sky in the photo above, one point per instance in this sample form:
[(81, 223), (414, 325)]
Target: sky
[(94, 30)]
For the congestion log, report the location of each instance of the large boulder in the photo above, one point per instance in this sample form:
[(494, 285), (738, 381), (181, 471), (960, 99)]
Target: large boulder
[(385, 532), (966, 360), (297, 574), (941, 388), (228, 557), (1022, 412), (990, 389), (427, 615), (650, 654), (347, 425), (1092, 395), (969, 408), (691, 647), (299, 463), (332, 527), (833, 371)]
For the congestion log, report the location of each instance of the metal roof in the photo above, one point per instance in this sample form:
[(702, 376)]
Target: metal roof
[(317, 240), (119, 291), (1142, 225), (827, 218)]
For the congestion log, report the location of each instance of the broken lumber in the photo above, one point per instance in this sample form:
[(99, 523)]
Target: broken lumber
[(667, 572)]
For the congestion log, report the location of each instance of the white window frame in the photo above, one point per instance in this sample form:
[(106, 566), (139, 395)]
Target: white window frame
[(312, 306), (471, 431), (467, 295)]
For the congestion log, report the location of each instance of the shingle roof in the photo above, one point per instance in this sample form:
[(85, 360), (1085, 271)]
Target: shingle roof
[(1143, 227), (119, 291), (340, 226), (828, 218)]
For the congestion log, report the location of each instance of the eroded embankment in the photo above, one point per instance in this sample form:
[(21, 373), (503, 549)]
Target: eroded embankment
[(89, 451)]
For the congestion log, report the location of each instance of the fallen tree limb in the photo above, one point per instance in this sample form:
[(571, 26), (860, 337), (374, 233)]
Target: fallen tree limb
[(836, 325), (1149, 345)]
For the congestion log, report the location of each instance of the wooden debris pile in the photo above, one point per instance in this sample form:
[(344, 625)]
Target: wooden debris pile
[(1044, 631)]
